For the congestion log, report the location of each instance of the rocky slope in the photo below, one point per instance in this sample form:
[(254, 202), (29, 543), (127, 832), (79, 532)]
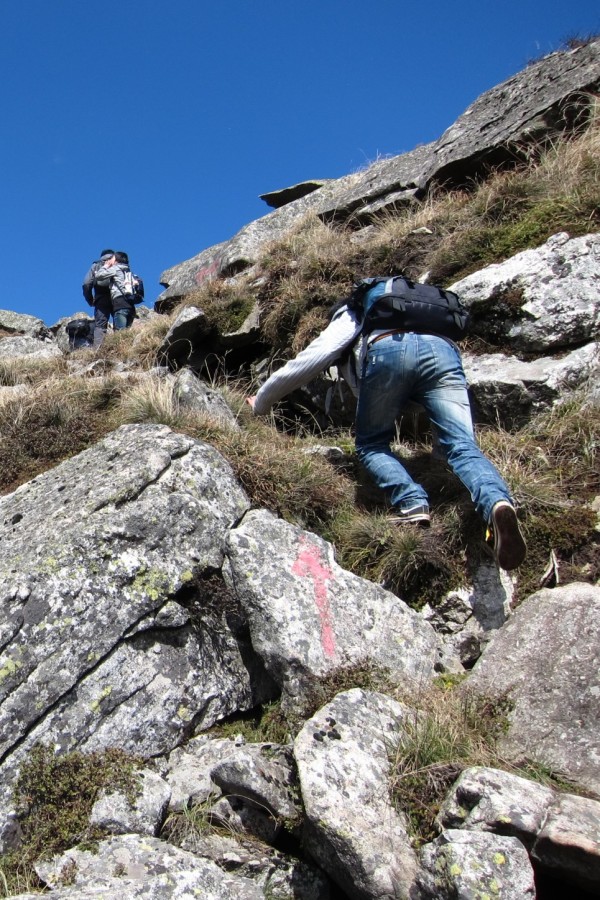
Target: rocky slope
[(144, 600)]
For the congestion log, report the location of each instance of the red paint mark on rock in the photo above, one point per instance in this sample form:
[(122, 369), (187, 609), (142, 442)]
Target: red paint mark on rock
[(309, 565), (207, 272)]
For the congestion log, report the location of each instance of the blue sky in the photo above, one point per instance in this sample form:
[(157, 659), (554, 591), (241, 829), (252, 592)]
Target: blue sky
[(153, 126)]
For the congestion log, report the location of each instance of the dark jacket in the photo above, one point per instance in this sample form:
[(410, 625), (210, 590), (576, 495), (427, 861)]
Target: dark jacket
[(93, 292)]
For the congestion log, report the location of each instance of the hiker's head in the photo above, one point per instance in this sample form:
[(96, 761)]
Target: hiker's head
[(121, 257), (106, 254)]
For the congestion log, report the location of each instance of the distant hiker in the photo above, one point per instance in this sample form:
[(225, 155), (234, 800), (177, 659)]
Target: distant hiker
[(387, 367), (126, 289), (98, 296)]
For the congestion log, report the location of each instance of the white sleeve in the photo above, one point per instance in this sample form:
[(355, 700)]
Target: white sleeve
[(315, 358)]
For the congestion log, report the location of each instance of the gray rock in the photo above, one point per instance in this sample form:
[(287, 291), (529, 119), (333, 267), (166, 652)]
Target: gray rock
[(558, 283), (141, 867), (245, 335), (188, 769), (21, 323), (90, 554), (463, 865), (183, 343), (485, 799), (467, 618), (557, 705), (568, 845), (262, 774), (11, 832), (194, 394), (31, 347), (511, 391), (275, 199), (280, 877), (243, 818), (560, 831), (528, 108), (525, 109), (117, 814), (308, 617), (353, 831)]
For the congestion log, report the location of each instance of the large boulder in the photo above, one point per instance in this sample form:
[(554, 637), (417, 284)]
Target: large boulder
[(560, 831), (545, 299), (22, 323), (114, 622), (511, 391), (280, 877), (133, 866), (528, 108), (25, 345), (552, 685), (353, 830), (195, 395), (463, 865), (308, 617)]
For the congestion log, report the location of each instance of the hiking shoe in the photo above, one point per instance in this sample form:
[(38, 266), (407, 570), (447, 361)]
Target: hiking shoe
[(416, 515), (507, 541)]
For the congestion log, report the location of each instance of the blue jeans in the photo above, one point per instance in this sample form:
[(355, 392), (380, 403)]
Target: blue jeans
[(122, 318), (428, 370)]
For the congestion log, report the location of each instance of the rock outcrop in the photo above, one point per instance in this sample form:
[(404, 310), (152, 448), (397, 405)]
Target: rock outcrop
[(536, 104), (552, 684)]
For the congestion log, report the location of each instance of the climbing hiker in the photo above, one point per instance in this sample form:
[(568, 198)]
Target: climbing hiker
[(387, 367), (98, 296), (124, 287)]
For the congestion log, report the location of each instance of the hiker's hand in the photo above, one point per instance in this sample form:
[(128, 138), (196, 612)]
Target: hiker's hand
[(251, 401)]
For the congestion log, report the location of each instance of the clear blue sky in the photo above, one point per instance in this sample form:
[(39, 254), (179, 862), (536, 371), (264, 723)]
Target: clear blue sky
[(153, 126)]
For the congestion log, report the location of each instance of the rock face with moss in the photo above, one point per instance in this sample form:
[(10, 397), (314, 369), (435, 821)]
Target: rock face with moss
[(560, 831), (458, 864), (308, 617), (545, 659), (551, 292), (112, 629), (343, 756)]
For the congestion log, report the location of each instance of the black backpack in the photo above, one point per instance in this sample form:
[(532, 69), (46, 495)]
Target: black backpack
[(138, 289), (80, 332), (406, 305)]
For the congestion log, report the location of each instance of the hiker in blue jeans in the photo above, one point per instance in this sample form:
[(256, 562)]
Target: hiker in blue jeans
[(394, 367)]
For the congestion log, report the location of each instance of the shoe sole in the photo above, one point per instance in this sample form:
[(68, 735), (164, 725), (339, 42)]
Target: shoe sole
[(421, 519), (509, 544)]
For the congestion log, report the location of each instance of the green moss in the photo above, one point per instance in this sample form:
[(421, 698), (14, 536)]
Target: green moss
[(266, 724), (54, 796), (9, 668), (151, 583), (566, 533), (95, 706)]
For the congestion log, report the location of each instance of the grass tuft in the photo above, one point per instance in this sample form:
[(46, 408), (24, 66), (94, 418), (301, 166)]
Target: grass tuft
[(54, 796)]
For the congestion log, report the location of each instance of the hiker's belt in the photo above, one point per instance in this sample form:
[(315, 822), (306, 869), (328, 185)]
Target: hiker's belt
[(384, 335)]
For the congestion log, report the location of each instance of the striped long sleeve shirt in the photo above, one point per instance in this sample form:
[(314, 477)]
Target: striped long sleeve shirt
[(321, 353)]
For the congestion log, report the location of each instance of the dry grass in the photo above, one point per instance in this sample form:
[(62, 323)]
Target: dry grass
[(22, 370), (444, 734), (447, 731), (52, 421), (418, 565), (137, 346), (151, 400)]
